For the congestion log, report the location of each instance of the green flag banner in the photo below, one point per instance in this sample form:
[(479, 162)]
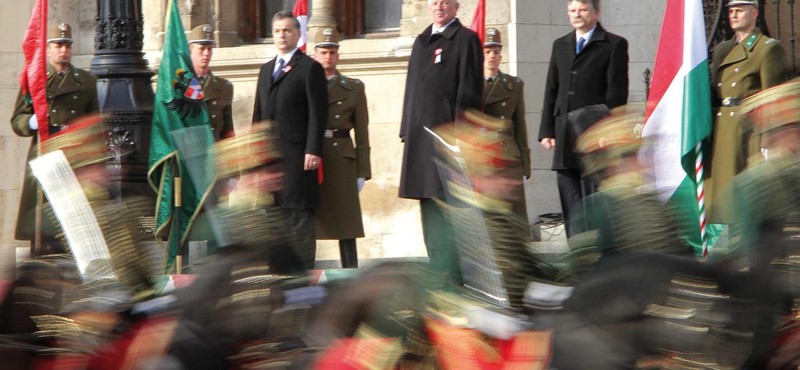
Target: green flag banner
[(179, 105)]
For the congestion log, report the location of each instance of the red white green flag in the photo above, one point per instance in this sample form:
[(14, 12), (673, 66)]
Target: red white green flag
[(679, 119)]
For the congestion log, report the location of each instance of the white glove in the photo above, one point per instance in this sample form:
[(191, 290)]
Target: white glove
[(33, 123), (360, 183)]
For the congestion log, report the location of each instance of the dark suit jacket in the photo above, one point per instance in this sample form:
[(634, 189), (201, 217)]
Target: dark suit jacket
[(297, 101), (598, 75), (436, 91)]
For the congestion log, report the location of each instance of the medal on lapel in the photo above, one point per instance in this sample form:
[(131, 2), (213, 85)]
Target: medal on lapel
[(437, 56)]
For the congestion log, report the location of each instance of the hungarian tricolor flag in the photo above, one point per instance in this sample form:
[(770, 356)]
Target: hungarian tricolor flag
[(33, 79), (678, 116), (479, 20), (301, 13)]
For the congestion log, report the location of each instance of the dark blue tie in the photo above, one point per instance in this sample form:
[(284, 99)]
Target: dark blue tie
[(579, 47), (277, 71)]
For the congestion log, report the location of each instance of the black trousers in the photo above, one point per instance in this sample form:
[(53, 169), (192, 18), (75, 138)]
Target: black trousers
[(348, 253), (571, 190), (303, 235)]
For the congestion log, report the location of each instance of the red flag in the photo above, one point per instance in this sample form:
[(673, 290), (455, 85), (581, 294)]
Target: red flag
[(33, 79), (301, 13), (479, 20)]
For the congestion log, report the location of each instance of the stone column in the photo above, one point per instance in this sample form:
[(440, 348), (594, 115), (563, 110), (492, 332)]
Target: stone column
[(321, 17), (225, 20), (124, 93)]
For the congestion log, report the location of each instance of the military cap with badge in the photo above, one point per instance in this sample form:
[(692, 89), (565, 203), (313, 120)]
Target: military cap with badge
[(60, 33), (493, 37), (202, 34), (327, 38)]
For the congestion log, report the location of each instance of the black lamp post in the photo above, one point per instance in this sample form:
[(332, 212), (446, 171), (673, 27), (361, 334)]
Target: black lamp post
[(124, 92)]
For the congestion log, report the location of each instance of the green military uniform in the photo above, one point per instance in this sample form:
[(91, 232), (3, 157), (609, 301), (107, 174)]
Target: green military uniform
[(503, 98), (339, 213), (739, 70), (70, 95), (219, 100), (217, 90)]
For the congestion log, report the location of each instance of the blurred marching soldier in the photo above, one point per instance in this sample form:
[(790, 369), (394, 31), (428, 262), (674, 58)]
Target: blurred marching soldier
[(742, 66), (217, 90), (622, 216), (71, 93), (503, 97), (346, 168), (765, 200)]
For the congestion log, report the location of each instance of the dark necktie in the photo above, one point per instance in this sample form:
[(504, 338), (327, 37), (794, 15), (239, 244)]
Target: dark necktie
[(579, 47), (278, 71)]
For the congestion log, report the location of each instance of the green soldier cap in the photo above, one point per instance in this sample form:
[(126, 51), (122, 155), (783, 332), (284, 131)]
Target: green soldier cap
[(83, 142), (481, 139), (773, 108), (611, 139), (247, 150), (328, 38), (743, 2), (61, 32), (202, 34), (493, 37)]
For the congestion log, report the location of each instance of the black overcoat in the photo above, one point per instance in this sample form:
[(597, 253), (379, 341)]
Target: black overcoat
[(445, 77), (598, 75), (298, 102)]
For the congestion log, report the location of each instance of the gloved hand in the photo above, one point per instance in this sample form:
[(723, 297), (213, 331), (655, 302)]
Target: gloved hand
[(360, 183), (33, 123)]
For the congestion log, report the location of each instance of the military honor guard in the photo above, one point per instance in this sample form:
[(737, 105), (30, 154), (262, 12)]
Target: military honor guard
[(218, 91), (346, 167), (504, 98), (71, 94), (742, 66)]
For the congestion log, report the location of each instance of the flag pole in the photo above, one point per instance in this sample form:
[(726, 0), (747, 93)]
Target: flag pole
[(701, 195), (176, 212)]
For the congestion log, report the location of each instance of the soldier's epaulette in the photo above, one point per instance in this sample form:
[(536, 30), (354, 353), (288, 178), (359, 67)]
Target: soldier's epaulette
[(771, 41)]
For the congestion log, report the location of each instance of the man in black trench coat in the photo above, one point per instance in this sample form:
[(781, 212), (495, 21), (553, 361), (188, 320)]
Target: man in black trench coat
[(445, 78), (292, 92), (596, 72)]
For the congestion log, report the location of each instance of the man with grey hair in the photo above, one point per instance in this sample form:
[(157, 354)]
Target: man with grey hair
[(292, 92), (445, 78), (588, 66)]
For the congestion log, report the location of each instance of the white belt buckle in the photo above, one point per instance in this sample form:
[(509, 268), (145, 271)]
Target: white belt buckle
[(328, 134)]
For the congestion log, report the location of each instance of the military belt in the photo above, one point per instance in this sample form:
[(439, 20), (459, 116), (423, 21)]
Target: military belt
[(337, 134), (731, 102)]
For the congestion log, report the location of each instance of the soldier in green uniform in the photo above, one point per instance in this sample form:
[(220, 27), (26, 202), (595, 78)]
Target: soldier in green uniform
[(346, 168), (503, 97), (217, 90), (218, 96), (742, 66), (766, 212), (71, 94)]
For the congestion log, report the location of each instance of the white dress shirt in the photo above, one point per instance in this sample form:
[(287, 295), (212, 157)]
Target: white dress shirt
[(286, 58)]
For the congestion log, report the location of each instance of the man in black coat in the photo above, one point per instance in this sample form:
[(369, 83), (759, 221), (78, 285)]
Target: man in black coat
[(588, 66), (445, 78), (292, 92)]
